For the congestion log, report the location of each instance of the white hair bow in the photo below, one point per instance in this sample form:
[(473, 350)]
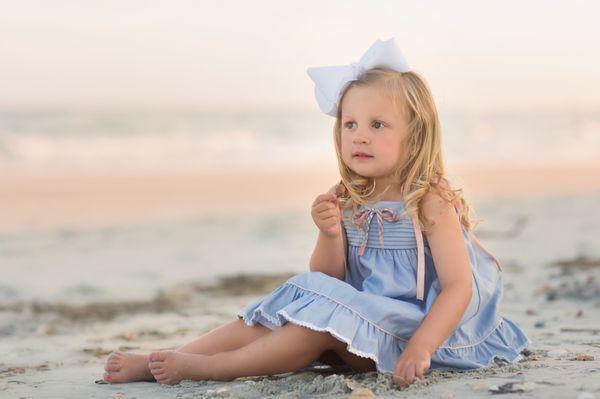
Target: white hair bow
[(330, 81)]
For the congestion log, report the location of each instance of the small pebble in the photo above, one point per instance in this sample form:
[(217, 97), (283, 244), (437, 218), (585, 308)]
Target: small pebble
[(513, 387), (362, 393), (583, 357)]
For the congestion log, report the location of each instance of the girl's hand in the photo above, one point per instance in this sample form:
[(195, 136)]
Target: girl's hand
[(412, 364), (327, 215)]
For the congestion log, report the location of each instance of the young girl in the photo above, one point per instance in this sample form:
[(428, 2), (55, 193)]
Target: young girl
[(397, 283)]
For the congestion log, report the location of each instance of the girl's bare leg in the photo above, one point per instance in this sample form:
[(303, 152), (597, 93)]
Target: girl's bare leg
[(241, 335), (128, 367), (230, 336), (288, 348)]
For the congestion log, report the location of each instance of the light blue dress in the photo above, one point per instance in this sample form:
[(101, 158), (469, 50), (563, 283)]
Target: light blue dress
[(375, 310)]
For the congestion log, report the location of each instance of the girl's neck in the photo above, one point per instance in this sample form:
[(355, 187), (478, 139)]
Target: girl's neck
[(391, 194)]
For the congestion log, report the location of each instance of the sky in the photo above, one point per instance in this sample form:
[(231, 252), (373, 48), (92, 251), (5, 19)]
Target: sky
[(254, 54)]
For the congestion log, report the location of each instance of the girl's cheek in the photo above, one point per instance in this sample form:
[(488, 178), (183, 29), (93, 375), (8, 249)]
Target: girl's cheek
[(345, 149)]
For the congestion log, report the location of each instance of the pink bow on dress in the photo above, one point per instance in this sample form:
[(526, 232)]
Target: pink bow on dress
[(363, 218)]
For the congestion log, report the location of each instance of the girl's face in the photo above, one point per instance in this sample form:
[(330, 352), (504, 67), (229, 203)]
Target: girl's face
[(372, 132)]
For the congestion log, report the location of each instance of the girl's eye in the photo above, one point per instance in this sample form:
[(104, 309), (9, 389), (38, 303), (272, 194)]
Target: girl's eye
[(377, 124)]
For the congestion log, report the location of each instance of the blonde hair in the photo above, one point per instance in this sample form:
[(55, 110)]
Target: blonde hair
[(422, 168)]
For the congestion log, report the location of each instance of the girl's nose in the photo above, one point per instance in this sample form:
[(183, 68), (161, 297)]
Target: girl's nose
[(360, 139)]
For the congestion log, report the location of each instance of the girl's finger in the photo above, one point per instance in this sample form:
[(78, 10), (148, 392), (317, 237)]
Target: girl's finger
[(420, 370), (322, 205), (331, 204), (334, 219), (409, 373), (398, 376), (329, 219), (328, 209), (400, 380), (322, 198), (327, 213)]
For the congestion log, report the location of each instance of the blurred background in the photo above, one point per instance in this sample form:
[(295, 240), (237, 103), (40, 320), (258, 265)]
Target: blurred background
[(150, 150), (145, 144)]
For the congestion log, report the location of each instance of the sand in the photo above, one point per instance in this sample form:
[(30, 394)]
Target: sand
[(41, 199), (65, 357), (55, 345)]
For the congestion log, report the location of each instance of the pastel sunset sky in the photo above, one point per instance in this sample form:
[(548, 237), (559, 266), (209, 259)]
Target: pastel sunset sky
[(255, 53)]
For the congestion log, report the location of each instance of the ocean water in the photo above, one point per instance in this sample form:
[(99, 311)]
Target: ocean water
[(107, 140)]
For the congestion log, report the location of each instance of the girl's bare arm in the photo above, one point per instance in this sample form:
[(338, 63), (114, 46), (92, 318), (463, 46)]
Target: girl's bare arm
[(452, 265), (329, 255)]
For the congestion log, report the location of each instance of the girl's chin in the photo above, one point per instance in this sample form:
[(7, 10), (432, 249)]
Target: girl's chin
[(369, 174), (365, 174)]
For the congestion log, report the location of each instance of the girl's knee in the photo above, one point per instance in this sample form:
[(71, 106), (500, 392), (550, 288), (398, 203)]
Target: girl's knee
[(256, 327), (322, 338), (357, 363)]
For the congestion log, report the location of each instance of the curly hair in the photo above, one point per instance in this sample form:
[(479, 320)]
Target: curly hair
[(421, 170)]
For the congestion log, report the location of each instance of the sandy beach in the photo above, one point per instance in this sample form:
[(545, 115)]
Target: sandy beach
[(159, 162), (93, 263), (43, 199)]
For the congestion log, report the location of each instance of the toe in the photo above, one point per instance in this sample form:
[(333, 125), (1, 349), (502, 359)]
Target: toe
[(113, 377), (159, 376), (117, 377), (165, 380), (158, 356), (156, 366), (115, 355), (112, 366)]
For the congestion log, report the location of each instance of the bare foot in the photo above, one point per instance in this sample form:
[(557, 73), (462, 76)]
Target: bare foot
[(170, 367), (127, 367)]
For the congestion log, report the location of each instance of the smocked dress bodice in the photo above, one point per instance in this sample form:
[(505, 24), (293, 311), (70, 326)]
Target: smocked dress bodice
[(379, 234)]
